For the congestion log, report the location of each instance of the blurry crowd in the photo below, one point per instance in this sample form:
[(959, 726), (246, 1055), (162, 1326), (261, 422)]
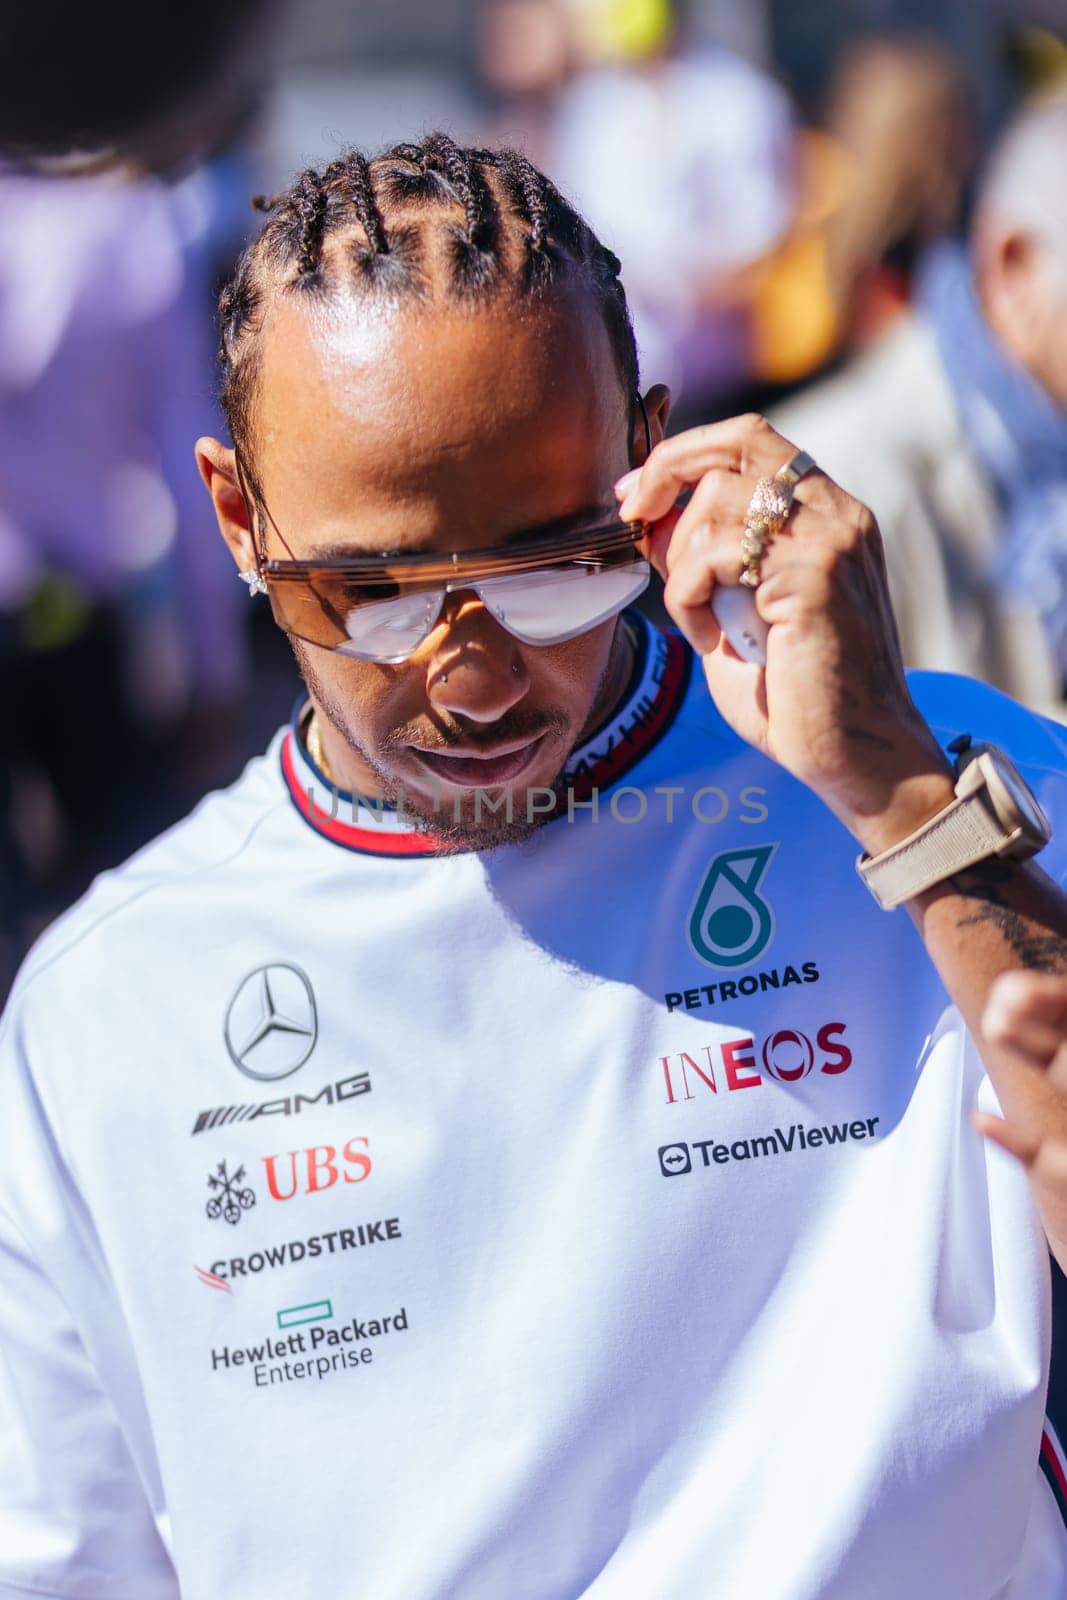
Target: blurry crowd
[(882, 269)]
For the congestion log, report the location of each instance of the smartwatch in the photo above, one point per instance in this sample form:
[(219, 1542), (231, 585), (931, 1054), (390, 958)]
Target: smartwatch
[(995, 813)]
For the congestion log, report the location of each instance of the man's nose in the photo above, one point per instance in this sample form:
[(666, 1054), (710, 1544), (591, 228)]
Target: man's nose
[(475, 668)]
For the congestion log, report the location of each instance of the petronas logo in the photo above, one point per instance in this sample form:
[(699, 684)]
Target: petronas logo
[(731, 923)]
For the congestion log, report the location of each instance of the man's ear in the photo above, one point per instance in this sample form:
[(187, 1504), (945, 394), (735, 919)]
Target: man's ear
[(657, 408), (218, 469), (1008, 277)]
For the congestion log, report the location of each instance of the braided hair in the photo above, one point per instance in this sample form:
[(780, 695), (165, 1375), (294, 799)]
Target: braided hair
[(391, 225)]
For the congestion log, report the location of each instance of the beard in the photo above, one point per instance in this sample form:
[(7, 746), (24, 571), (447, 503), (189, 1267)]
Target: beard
[(464, 821)]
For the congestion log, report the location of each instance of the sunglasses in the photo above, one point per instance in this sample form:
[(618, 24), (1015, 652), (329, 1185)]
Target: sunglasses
[(542, 591)]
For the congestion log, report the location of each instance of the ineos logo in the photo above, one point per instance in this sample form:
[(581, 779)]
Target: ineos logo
[(271, 1023), (788, 1055)]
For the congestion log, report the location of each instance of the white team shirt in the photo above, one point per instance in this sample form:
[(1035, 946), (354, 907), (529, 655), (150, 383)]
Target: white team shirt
[(598, 1216)]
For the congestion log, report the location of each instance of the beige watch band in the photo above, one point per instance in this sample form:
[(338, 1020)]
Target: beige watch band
[(964, 832)]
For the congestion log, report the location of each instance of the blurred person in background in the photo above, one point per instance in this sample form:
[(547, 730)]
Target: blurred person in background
[(693, 162), (105, 356), (683, 155), (121, 182), (898, 112), (118, 86), (525, 56), (951, 426)]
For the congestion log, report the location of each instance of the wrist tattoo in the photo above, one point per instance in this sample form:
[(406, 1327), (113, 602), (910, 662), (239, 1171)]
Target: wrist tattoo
[(1033, 946), (865, 736)]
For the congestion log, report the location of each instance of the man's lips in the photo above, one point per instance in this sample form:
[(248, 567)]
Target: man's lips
[(469, 768)]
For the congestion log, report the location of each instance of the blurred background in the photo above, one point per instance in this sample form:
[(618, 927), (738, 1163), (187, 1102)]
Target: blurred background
[(850, 213)]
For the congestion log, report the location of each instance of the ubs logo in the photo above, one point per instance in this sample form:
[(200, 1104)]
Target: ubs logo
[(228, 1198), (271, 1023)]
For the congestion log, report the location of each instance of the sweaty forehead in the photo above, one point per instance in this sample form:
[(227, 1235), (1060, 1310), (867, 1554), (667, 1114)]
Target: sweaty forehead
[(503, 415)]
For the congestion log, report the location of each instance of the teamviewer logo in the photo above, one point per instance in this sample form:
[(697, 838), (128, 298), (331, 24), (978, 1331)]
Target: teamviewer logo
[(674, 1159)]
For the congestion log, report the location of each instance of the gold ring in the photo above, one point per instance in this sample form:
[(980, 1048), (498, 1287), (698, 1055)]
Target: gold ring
[(767, 513)]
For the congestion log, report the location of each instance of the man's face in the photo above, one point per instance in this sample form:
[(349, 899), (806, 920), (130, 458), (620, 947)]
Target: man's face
[(406, 429), (1022, 283)]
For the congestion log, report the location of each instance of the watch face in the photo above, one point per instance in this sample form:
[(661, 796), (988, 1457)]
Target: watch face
[(1019, 796)]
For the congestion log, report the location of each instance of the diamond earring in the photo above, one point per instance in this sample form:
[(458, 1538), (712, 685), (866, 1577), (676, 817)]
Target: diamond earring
[(256, 584)]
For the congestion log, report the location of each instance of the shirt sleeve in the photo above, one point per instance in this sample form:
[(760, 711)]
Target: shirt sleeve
[(82, 1509), (74, 1517)]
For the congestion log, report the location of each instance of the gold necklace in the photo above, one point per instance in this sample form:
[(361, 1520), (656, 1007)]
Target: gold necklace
[(315, 750)]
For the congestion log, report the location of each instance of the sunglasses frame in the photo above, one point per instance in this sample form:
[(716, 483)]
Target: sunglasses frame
[(430, 570)]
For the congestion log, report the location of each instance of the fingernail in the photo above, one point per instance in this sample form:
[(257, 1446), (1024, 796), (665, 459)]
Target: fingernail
[(627, 482)]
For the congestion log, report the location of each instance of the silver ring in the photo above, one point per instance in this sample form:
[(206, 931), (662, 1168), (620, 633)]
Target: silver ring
[(795, 469)]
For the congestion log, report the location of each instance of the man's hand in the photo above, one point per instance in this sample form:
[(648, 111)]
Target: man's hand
[(1026, 1019), (831, 705)]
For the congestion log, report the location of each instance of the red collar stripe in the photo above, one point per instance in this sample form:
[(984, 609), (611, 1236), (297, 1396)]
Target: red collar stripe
[(1054, 1466), (371, 840), (656, 695)]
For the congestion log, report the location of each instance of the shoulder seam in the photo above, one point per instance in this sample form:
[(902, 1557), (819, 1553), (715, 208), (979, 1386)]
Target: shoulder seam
[(149, 888)]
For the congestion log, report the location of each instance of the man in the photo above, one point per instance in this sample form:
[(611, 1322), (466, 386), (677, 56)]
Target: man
[(500, 1147), (953, 429)]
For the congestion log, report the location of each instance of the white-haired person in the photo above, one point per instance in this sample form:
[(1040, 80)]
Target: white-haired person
[(953, 429)]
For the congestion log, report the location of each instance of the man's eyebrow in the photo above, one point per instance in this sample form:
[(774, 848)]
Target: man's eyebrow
[(595, 516)]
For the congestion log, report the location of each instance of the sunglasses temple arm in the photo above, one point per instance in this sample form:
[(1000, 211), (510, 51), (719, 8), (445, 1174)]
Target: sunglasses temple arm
[(645, 542), (243, 490), (643, 545)]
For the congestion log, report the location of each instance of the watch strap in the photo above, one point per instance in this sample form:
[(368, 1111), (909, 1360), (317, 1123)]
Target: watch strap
[(963, 833)]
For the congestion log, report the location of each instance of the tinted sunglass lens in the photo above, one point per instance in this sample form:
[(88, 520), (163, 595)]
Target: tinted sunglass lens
[(558, 604), (541, 607), (389, 630)]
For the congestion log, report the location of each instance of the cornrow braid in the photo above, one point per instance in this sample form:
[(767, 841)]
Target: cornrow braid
[(461, 168), (312, 207), (389, 225), (532, 194), (475, 262), (361, 190), (533, 190)]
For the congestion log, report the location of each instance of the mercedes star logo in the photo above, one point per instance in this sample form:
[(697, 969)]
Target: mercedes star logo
[(271, 1023)]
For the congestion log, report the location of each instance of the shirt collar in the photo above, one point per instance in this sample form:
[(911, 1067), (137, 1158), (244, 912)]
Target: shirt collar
[(652, 698)]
